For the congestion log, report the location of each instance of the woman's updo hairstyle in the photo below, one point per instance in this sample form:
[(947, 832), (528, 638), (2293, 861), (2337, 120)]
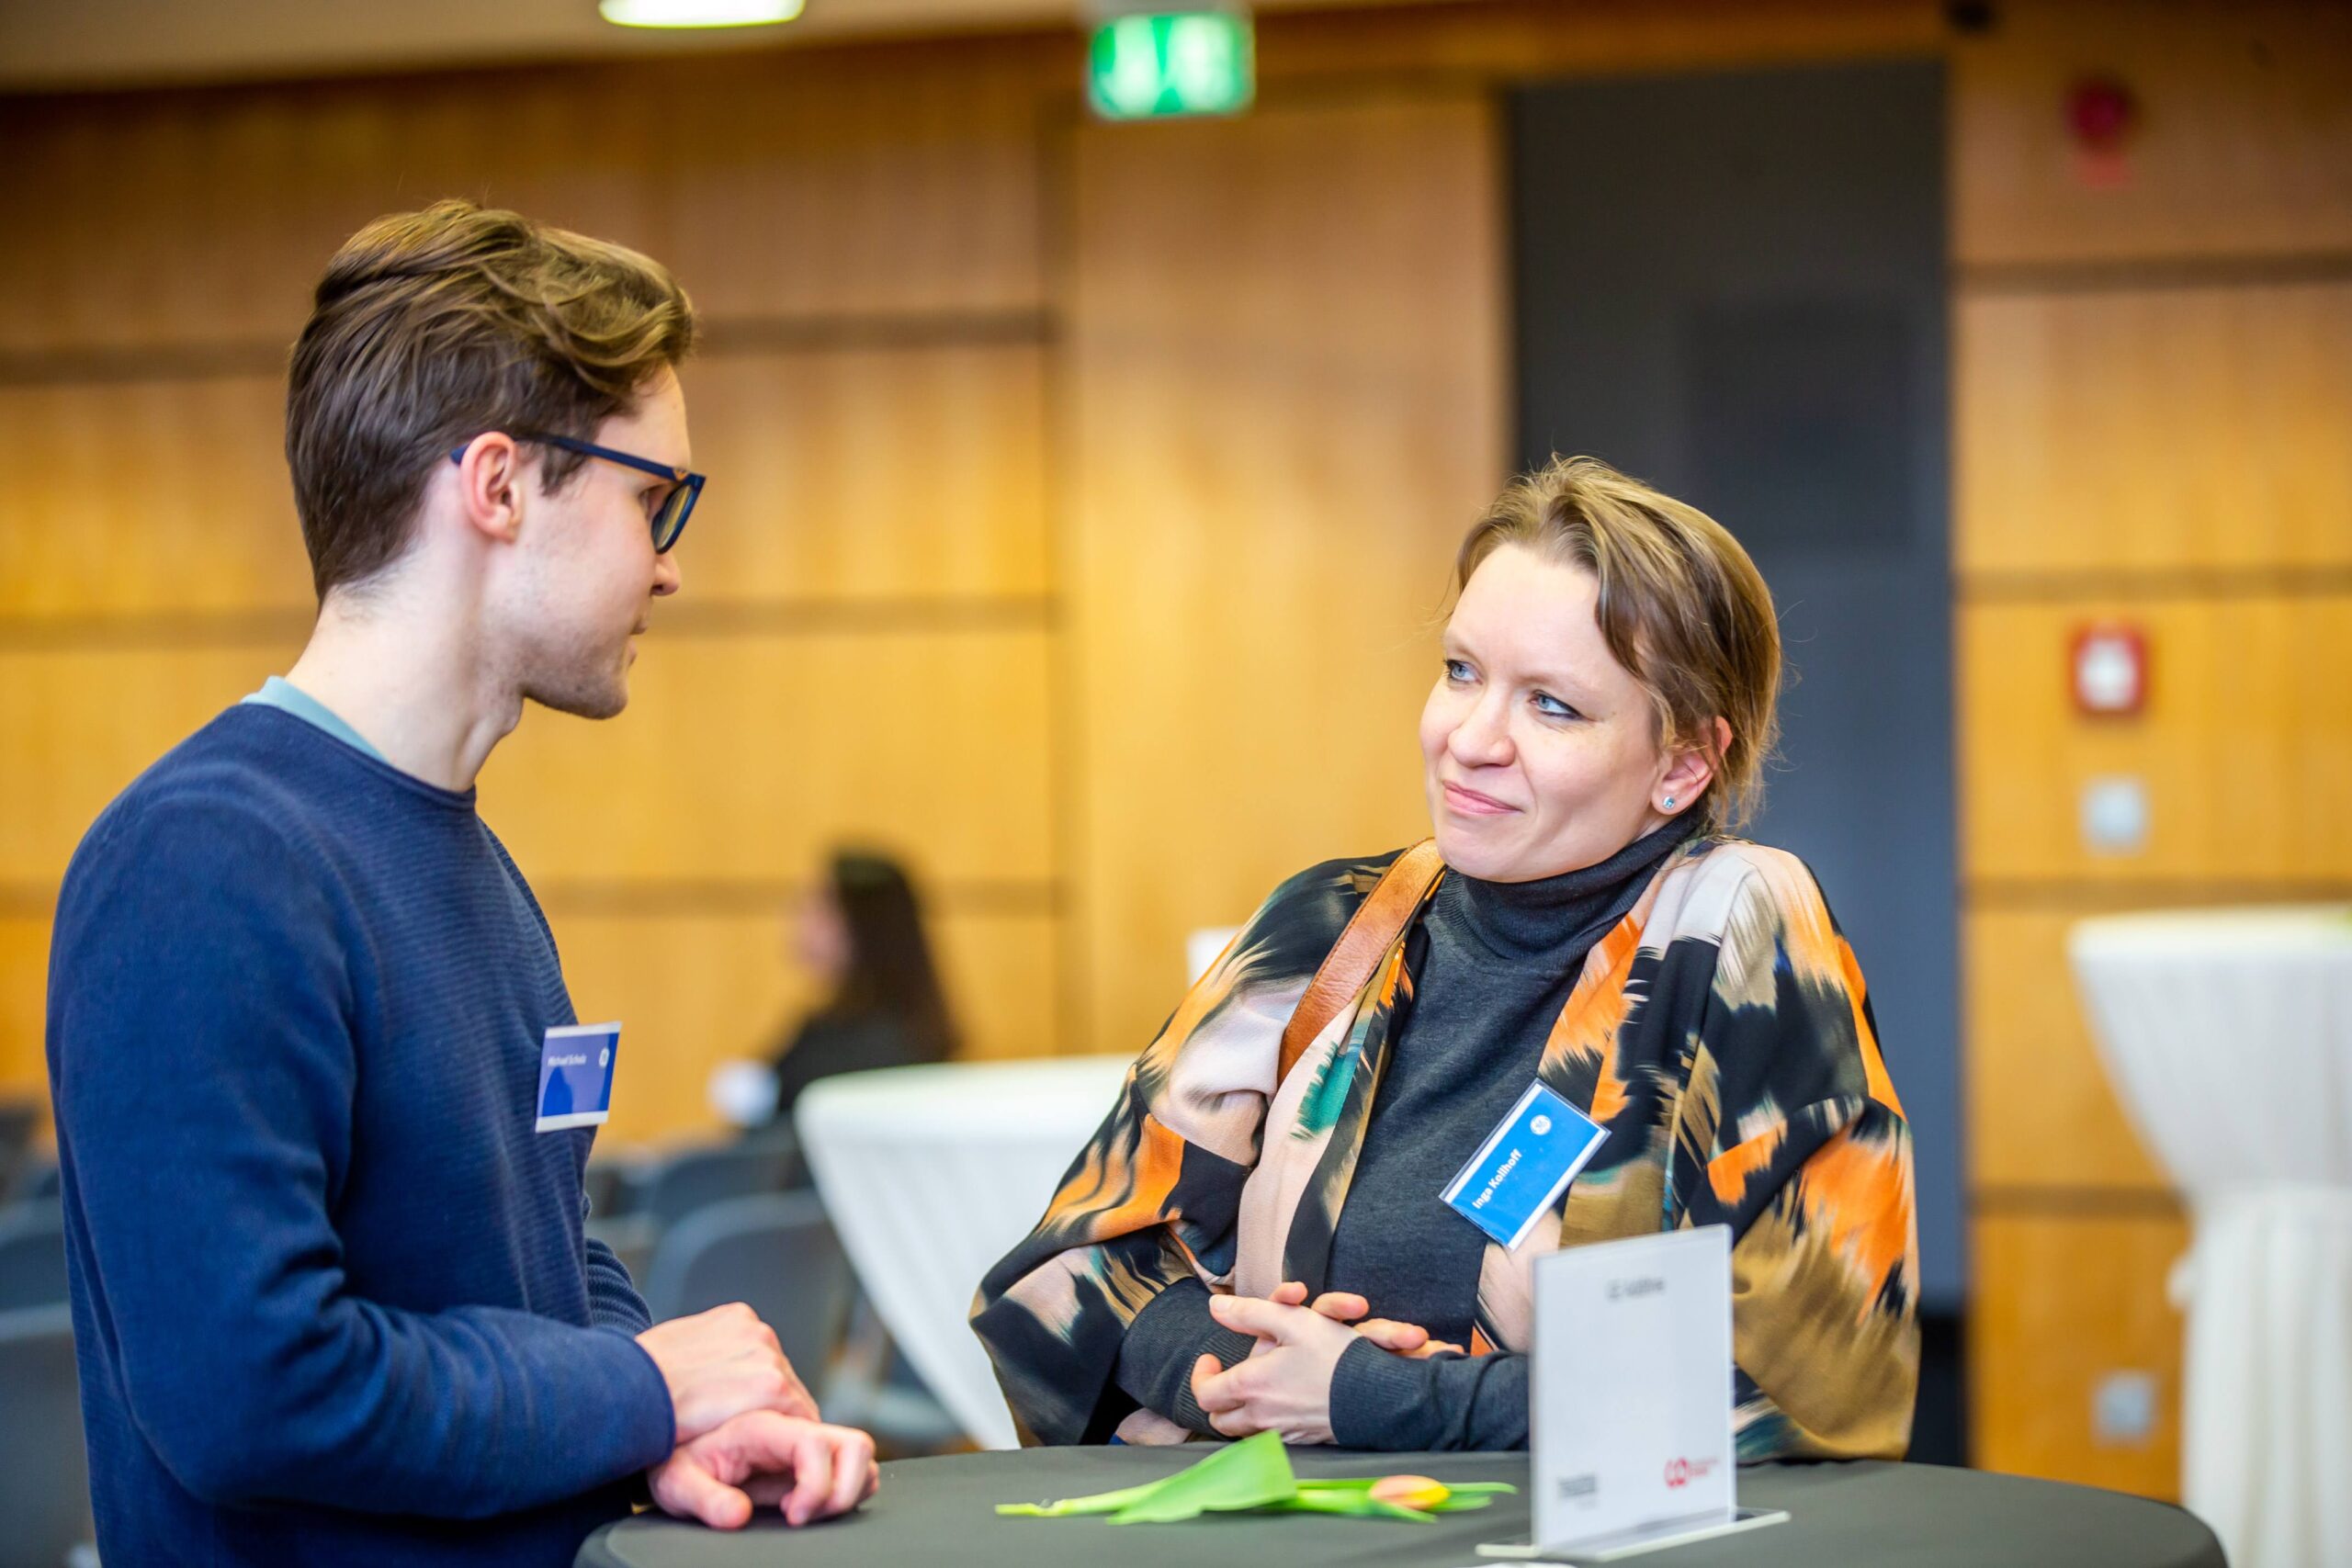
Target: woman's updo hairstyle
[(1680, 605)]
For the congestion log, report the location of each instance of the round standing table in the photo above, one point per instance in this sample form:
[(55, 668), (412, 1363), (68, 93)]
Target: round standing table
[(2228, 1033), (1852, 1516), (930, 1175)]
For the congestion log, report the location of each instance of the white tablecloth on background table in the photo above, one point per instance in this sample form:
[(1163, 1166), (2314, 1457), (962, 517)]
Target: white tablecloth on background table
[(930, 1174), (2227, 1034)]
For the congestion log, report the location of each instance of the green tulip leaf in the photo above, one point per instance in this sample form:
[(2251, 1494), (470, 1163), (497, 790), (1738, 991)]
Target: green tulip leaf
[(1253, 1473), (1351, 1505), (1070, 1507), (1250, 1474)]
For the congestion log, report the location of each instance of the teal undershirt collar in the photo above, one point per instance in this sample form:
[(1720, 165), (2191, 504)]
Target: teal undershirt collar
[(279, 692)]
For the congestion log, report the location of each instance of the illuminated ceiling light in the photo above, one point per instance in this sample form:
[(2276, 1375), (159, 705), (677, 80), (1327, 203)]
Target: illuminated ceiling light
[(697, 12)]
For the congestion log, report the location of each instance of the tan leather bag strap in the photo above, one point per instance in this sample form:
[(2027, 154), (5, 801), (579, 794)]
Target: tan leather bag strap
[(1368, 937)]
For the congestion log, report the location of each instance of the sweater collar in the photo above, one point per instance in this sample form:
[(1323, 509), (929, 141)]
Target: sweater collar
[(1553, 920)]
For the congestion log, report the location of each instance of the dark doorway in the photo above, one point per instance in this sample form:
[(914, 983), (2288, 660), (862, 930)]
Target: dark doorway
[(1733, 285)]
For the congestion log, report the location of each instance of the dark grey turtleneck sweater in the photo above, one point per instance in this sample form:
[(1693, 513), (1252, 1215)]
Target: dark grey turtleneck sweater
[(1501, 960)]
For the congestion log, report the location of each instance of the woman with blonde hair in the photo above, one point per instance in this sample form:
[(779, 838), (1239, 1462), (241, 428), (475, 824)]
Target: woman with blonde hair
[(1255, 1240)]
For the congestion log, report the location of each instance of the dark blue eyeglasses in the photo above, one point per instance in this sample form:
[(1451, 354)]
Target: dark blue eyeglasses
[(669, 519)]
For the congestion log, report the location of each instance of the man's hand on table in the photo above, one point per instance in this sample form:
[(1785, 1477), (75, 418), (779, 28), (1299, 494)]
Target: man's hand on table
[(761, 1459), (720, 1364)]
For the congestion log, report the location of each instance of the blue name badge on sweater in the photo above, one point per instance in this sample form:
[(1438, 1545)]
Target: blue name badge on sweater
[(1525, 1166), (576, 1075)]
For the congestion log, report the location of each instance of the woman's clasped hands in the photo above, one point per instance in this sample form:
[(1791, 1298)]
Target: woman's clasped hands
[(1285, 1385)]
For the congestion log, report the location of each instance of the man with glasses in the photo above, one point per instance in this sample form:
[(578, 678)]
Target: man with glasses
[(331, 1297)]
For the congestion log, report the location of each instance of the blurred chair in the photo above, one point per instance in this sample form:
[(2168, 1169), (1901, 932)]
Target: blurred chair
[(873, 1387), (37, 1177), (19, 1119), (776, 1253), (632, 1237), (44, 1472), (612, 1187), (33, 1257), (765, 1163)]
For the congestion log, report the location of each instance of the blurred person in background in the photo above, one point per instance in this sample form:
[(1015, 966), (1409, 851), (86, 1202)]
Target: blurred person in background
[(332, 1299), (1256, 1240), (861, 935)]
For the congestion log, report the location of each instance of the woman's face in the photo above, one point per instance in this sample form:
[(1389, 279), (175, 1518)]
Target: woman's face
[(820, 935), (1538, 747)]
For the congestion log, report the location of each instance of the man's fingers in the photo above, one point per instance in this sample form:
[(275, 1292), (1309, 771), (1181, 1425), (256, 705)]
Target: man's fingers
[(1290, 1292), (1341, 1306), (685, 1487), (798, 1400), (812, 1477), (853, 1469)]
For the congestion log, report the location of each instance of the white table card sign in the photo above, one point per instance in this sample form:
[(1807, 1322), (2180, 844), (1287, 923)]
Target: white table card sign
[(1632, 1448)]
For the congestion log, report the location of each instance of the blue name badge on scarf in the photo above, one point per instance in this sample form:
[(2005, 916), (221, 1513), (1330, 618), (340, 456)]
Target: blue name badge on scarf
[(576, 1075), (1525, 1166)]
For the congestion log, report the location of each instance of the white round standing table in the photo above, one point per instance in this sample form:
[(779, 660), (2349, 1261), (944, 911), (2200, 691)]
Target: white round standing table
[(2227, 1034), (930, 1174)]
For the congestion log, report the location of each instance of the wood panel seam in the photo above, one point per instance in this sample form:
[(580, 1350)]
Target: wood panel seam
[(163, 630), (2091, 894), (720, 337), (689, 897), (2139, 274), (2169, 582), (2105, 1202)]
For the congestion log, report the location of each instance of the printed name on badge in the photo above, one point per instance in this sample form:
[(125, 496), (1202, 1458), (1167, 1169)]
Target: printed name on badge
[(576, 1075), (1525, 1166)]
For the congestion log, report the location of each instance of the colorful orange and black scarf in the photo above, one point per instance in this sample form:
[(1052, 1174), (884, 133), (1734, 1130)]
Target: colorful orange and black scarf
[(1721, 1035)]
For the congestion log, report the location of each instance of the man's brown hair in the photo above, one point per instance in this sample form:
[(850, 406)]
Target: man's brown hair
[(1680, 605), (433, 327)]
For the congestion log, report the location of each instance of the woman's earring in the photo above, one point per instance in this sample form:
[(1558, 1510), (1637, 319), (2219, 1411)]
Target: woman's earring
[(1670, 803)]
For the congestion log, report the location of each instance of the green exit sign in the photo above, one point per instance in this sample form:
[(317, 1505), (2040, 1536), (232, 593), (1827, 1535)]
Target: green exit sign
[(1184, 63)]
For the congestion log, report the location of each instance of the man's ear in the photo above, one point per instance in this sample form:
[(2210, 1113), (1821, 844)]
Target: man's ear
[(1689, 770), (489, 486)]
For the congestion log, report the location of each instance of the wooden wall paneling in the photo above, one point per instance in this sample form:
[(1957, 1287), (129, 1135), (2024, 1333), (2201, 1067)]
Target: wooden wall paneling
[(892, 473), (2155, 429), (91, 720), (146, 497), (2244, 146), (1540, 38), (869, 474), (580, 147), (24, 991), (870, 181), (1287, 396), (206, 217), (695, 989), (2062, 1302), (2248, 731), (2043, 1112), (746, 756)]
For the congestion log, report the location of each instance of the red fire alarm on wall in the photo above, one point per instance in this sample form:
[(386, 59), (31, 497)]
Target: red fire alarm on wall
[(2111, 668), (2102, 120)]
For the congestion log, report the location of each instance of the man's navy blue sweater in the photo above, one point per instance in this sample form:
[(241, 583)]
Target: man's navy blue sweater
[(331, 1296)]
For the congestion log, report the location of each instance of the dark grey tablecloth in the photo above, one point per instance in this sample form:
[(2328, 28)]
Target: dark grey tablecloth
[(1841, 1516)]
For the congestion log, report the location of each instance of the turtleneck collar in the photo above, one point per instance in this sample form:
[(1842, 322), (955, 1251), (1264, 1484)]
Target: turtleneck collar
[(1552, 922)]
